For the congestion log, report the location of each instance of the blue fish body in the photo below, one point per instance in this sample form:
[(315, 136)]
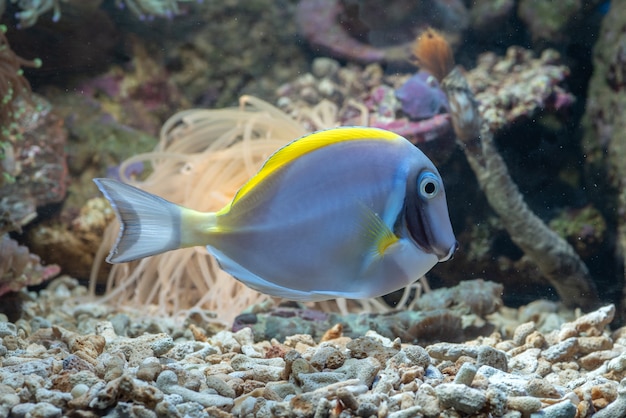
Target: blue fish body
[(348, 212)]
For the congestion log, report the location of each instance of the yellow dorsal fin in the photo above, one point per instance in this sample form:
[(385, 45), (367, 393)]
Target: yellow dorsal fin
[(306, 144)]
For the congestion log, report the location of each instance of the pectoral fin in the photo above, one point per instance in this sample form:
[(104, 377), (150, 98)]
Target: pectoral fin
[(378, 233)]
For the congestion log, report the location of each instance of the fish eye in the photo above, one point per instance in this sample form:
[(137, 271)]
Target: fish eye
[(428, 185)]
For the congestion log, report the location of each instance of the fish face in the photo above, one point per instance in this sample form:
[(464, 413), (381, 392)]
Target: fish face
[(426, 215)]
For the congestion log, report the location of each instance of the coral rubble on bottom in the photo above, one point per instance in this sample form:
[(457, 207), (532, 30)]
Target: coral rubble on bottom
[(65, 358)]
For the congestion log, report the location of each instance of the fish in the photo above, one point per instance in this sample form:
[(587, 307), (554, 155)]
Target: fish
[(348, 212)]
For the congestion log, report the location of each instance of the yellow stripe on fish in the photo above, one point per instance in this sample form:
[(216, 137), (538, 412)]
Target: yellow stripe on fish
[(301, 146)]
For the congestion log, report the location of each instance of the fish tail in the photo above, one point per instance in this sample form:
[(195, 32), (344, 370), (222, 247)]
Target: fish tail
[(149, 224)]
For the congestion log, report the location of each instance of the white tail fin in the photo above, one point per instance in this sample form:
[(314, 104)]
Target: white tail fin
[(149, 225)]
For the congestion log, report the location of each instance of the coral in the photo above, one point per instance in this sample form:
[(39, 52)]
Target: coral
[(485, 15), (475, 297), (20, 112), (13, 85), (352, 95), (421, 97), (19, 268), (556, 259), (75, 244), (547, 21), (140, 95), (207, 72), (604, 141), (518, 85), (97, 143), (559, 25), (584, 228), (63, 358), (447, 314), (36, 162), (320, 23), (213, 73), (345, 95)]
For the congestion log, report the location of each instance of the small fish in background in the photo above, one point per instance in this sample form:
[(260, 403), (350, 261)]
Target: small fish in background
[(350, 212), (421, 97)]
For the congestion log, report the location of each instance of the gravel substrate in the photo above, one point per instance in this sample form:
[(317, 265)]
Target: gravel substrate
[(88, 360)]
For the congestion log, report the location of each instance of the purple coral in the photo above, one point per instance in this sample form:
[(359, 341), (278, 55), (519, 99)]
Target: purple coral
[(421, 97)]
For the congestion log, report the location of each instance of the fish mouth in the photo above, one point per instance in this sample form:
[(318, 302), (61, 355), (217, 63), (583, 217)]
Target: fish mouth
[(450, 254), (439, 242)]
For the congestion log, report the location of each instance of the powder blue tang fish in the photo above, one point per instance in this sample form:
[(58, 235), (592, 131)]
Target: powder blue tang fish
[(349, 212)]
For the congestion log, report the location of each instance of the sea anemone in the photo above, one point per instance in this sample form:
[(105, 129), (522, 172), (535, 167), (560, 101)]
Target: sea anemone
[(32, 9), (202, 159)]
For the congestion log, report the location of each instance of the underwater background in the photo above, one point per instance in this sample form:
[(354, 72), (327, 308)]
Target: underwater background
[(188, 98)]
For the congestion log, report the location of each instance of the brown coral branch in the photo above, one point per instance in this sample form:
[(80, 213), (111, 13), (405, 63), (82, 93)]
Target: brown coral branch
[(554, 256)]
